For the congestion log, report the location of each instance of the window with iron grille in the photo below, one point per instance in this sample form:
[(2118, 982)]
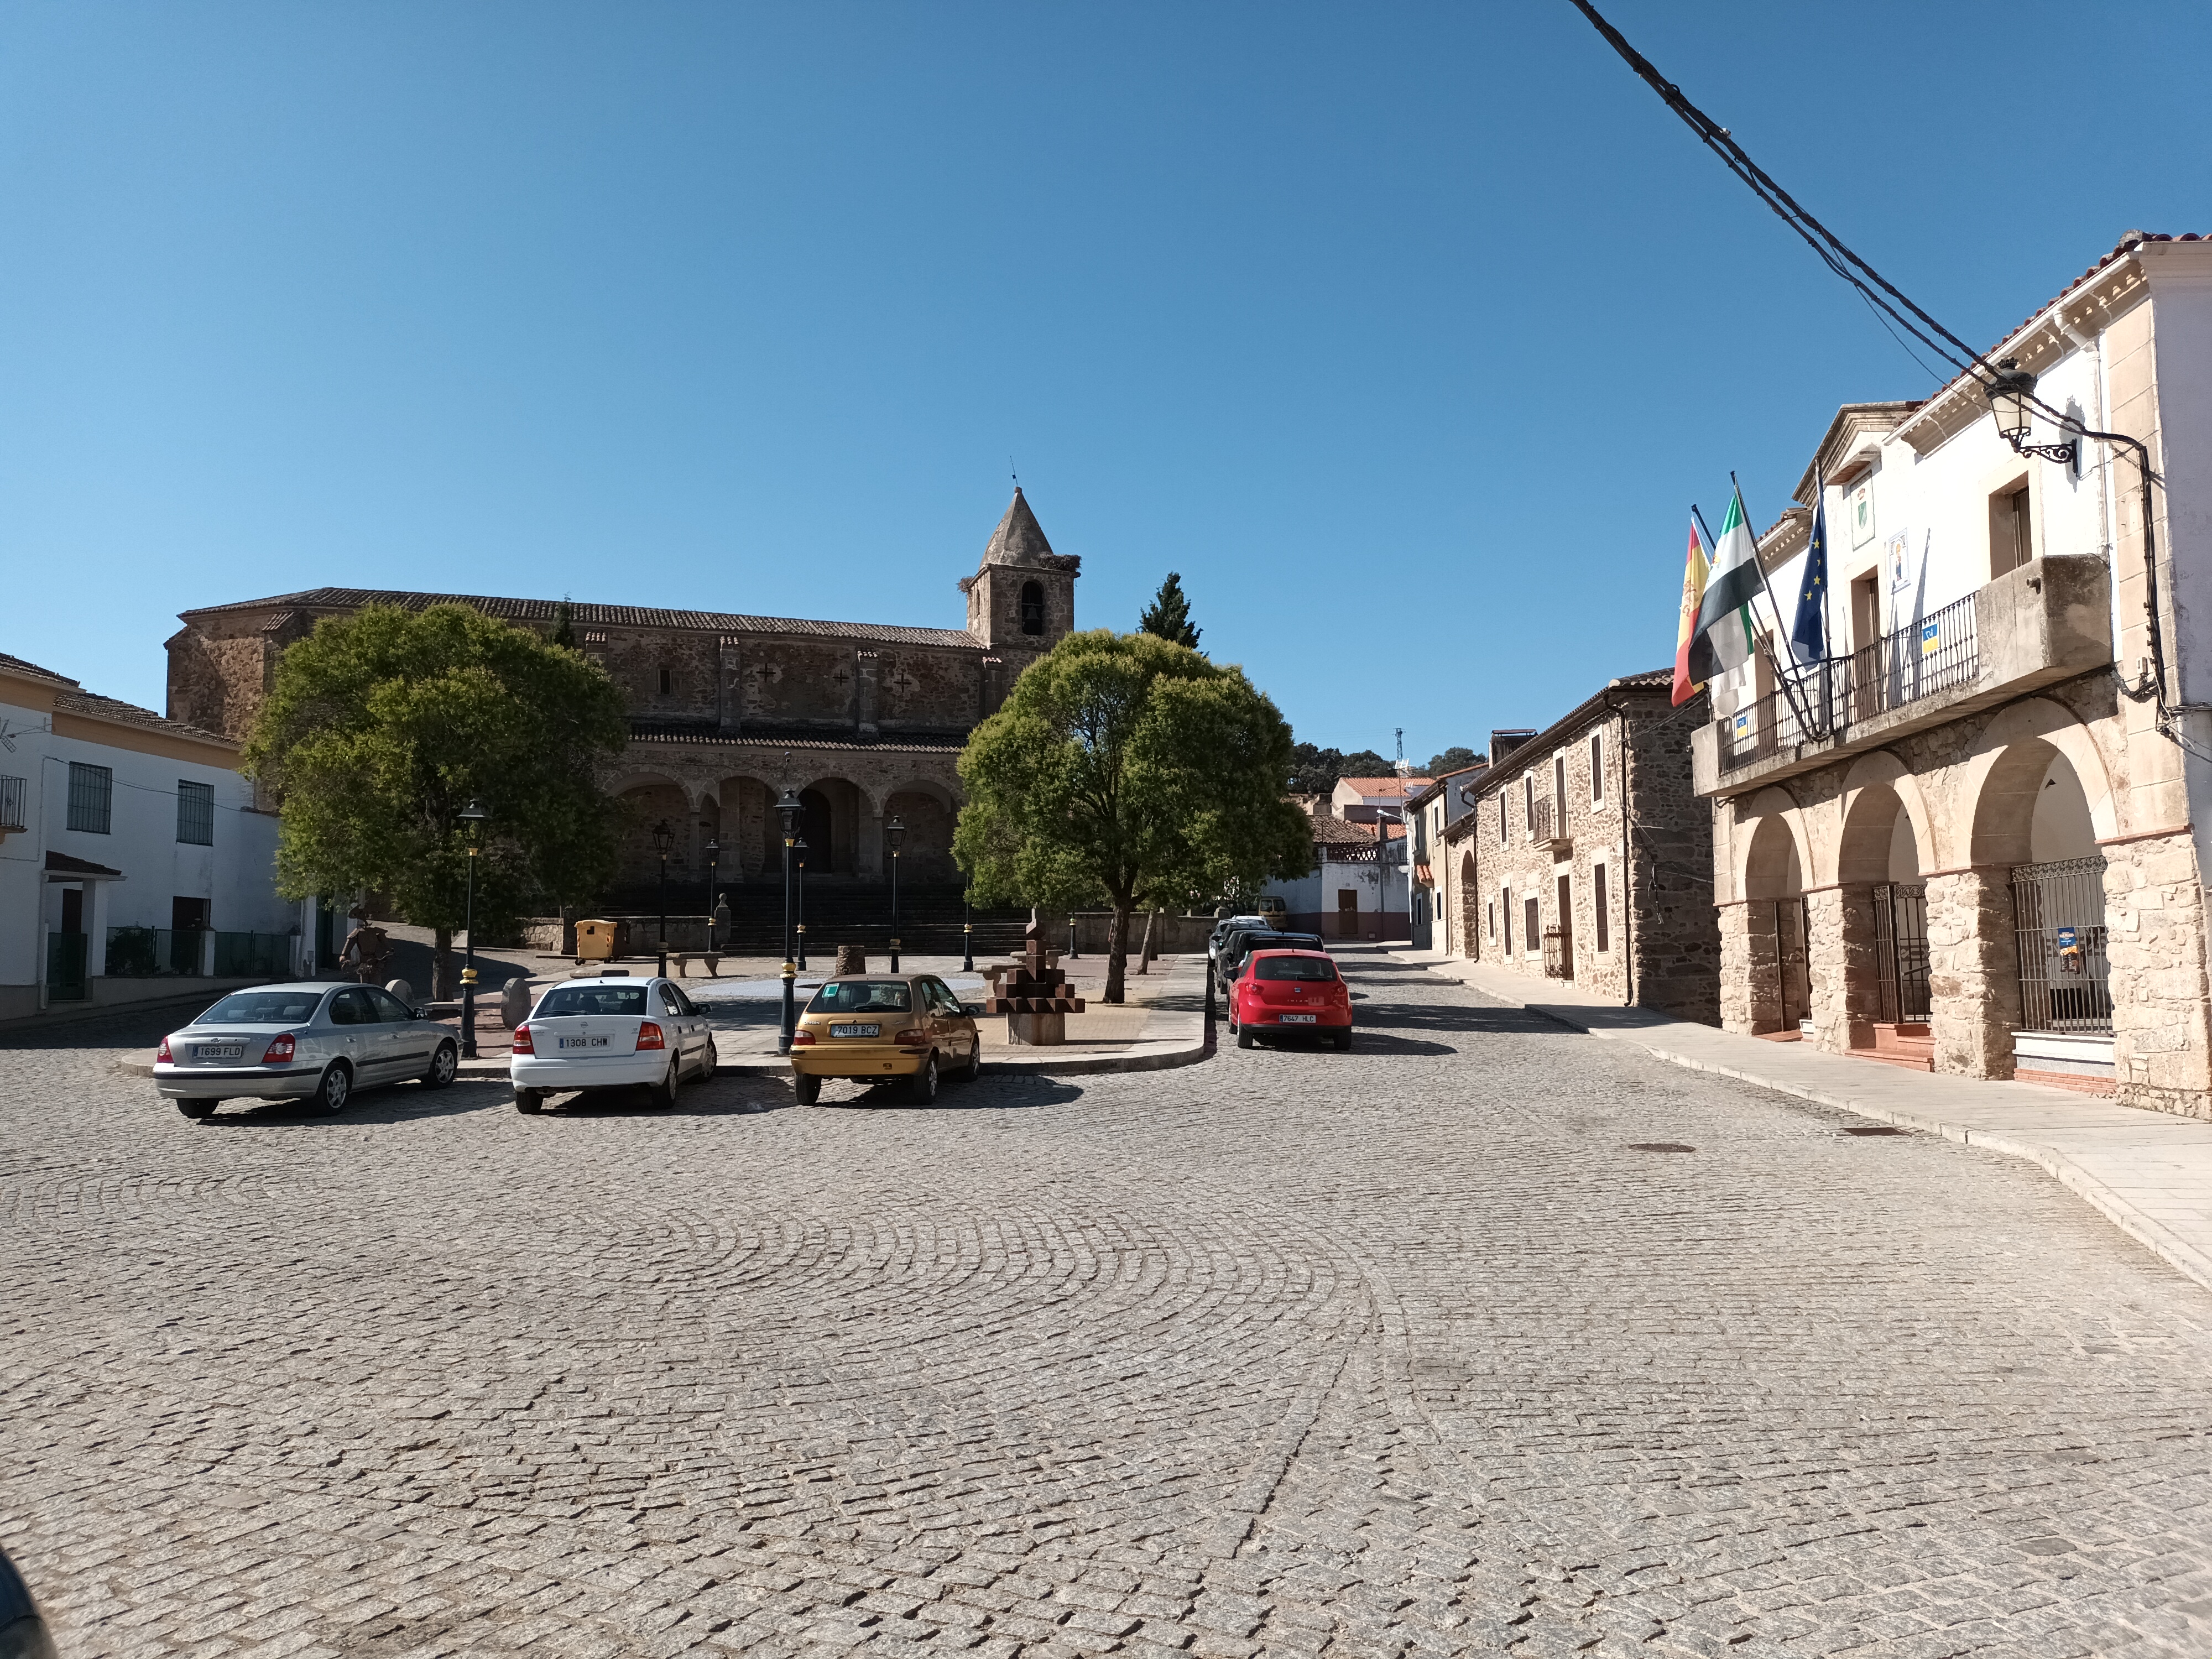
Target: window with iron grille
[(195, 813), (1560, 789), (1529, 800), (91, 798), (1597, 770), (1501, 815), (1597, 904), (1532, 925)]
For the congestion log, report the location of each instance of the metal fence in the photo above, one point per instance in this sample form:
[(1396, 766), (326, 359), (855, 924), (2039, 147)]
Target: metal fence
[(253, 956), (1792, 966), (2058, 919), (1539, 818), (1559, 953), (1941, 651), (148, 952), (1901, 951)]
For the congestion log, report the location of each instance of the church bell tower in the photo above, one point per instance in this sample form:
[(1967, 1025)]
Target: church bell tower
[(1022, 597)]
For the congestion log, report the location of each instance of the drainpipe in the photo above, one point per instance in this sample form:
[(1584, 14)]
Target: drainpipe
[(1627, 868)]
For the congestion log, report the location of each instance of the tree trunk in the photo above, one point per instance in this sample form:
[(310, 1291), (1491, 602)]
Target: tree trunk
[(1144, 951), (1117, 953), (442, 986)]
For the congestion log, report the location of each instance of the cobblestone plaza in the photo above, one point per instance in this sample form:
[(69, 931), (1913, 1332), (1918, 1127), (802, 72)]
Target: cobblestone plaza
[(1486, 1337)]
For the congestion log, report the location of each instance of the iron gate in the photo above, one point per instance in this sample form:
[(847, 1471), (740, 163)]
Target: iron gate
[(1901, 951), (1793, 966), (2058, 921)]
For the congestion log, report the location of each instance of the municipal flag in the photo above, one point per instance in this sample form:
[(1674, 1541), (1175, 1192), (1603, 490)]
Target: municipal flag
[(1809, 632), (1722, 637), (1685, 627)]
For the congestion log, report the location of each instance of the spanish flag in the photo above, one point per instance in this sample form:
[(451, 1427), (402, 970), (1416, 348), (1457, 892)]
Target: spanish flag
[(1693, 595)]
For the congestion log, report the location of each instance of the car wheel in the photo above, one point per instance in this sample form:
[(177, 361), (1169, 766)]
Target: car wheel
[(708, 1065), (443, 1065), (808, 1089), (1344, 1043), (664, 1092), (332, 1089), (196, 1110), (922, 1088), (530, 1100), (974, 1068)]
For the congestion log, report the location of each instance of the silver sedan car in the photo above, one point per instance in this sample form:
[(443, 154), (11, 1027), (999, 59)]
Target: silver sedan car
[(311, 1042)]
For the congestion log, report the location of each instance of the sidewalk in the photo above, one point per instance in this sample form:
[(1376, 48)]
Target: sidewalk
[(2148, 1172)]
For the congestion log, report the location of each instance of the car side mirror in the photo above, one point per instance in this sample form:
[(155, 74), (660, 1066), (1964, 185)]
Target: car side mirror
[(973, 1010)]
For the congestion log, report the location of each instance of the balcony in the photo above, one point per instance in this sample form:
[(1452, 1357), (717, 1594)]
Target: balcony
[(2048, 621), (12, 793), (1549, 829)]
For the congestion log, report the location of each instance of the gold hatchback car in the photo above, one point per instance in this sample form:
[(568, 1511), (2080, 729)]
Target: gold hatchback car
[(880, 1029)]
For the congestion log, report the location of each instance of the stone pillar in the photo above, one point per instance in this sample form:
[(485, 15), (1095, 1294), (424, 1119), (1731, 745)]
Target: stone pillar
[(1846, 999), (1750, 986), (1973, 972), (2154, 915), (871, 857)]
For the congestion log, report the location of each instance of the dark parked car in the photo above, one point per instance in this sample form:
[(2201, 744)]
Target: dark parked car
[(1239, 943), (22, 1633)]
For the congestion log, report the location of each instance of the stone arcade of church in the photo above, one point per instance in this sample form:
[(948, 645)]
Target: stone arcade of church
[(864, 721)]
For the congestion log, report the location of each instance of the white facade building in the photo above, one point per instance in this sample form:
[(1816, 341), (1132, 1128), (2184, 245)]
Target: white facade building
[(133, 862), (1972, 842)]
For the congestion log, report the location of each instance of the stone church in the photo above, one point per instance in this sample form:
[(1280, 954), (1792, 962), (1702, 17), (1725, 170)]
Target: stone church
[(865, 721)]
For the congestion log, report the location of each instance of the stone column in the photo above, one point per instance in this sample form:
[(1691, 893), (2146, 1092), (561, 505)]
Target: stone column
[(1973, 972), (2154, 915), (1751, 999), (871, 857), (1845, 998)]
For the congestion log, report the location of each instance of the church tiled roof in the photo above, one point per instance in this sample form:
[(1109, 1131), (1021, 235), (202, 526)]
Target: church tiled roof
[(1019, 539), (584, 614)]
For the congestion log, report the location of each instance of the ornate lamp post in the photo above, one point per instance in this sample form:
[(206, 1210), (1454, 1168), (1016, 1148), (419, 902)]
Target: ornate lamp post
[(895, 832), (714, 858), (472, 815), (967, 933), (664, 841), (788, 807), (798, 883)]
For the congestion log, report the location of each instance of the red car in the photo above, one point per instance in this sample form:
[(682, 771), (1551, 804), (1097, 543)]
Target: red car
[(1289, 993)]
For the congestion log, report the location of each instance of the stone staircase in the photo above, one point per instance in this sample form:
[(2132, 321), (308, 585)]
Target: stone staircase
[(1906, 1045)]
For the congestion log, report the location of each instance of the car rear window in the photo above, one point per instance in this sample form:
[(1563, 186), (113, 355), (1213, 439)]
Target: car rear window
[(591, 999), (862, 996), (1311, 968), (263, 1008)]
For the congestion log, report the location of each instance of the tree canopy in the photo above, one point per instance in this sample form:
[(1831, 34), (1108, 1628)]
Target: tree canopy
[(1167, 617), (1127, 770), (382, 725), (1457, 758), (1314, 771)]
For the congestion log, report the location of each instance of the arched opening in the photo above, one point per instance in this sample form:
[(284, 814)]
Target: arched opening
[(2060, 934), (925, 852), (645, 807), (1885, 914), (752, 840), (818, 826), (1032, 607), (1780, 980)]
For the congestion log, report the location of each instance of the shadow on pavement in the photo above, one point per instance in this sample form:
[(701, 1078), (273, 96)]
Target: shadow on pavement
[(387, 1103)]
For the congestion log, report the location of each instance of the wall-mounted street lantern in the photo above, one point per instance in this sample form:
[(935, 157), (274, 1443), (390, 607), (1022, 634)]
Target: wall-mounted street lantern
[(2011, 396)]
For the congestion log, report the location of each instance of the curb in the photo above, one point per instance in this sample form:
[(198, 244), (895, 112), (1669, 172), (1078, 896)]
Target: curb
[(2177, 1253)]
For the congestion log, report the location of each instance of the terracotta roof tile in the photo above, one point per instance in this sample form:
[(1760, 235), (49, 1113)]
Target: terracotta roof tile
[(94, 707), (20, 667)]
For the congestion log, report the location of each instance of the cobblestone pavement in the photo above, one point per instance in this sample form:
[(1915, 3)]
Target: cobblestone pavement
[(1407, 1352)]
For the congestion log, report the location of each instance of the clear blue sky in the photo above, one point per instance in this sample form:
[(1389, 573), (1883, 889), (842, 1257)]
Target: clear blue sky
[(1405, 334)]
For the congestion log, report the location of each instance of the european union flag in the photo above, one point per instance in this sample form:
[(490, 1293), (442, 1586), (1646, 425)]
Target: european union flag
[(1809, 632)]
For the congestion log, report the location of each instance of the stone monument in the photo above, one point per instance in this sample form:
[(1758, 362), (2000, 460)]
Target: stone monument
[(1031, 991)]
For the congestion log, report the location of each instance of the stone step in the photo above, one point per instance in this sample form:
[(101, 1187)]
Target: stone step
[(1909, 1063)]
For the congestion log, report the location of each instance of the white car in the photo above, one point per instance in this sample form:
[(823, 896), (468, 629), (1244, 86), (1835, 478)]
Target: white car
[(611, 1032), (308, 1041)]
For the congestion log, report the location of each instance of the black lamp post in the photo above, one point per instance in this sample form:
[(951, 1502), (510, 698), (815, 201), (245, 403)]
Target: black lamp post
[(714, 858), (787, 805), (798, 884), (664, 839), (967, 933), (472, 815), (895, 832)]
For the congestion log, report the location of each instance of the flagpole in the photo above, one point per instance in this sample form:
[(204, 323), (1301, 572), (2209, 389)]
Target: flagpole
[(1790, 686)]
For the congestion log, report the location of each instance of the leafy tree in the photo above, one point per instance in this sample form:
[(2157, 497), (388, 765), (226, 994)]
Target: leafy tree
[(1167, 617), (1457, 758), (382, 725), (1129, 770), (1314, 771), (564, 625)]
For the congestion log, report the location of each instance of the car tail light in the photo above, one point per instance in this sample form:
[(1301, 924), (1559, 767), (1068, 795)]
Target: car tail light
[(524, 1043), (162, 1055), (914, 1037), (280, 1050), (649, 1035), (802, 1039)]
